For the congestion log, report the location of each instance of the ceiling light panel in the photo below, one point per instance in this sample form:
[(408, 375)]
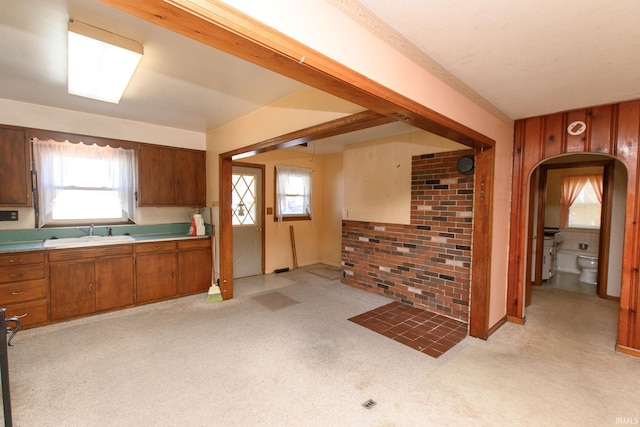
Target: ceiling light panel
[(101, 63)]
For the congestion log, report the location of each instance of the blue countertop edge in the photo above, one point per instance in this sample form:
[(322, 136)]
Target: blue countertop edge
[(37, 245), (29, 240)]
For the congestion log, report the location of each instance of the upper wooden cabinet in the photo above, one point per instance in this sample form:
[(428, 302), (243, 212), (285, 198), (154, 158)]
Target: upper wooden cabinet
[(15, 173), (171, 176)]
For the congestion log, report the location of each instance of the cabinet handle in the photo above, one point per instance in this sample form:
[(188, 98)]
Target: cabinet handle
[(18, 293), (157, 247), (21, 316), (11, 261), (13, 276), (90, 287)]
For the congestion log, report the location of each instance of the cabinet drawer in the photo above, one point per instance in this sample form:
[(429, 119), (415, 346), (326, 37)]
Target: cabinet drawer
[(89, 252), (17, 258), (18, 274), (23, 291), (142, 248), (28, 313), (194, 244)]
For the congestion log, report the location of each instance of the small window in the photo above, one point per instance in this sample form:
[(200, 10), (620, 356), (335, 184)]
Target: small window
[(243, 199), (84, 184), (584, 212), (293, 193)]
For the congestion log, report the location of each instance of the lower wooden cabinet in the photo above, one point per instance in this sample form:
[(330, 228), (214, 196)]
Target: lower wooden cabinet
[(23, 287), (156, 277), (114, 283), (72, 289), (101, 278), (194, 263), (91, 280)]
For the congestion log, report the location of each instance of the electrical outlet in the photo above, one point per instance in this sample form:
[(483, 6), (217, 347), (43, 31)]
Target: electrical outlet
[(8, 215)]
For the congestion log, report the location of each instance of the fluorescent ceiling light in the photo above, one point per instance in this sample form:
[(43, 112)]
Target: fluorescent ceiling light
[(100, 63)]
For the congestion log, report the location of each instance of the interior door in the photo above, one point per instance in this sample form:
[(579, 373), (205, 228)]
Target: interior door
[(247, 220)]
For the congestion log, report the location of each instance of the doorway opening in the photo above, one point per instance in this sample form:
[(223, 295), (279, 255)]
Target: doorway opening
[(576, 212)]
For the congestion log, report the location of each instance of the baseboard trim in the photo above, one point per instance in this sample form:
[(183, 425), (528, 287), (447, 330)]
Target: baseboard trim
[(517, 320), (628, 350), (497, 326)]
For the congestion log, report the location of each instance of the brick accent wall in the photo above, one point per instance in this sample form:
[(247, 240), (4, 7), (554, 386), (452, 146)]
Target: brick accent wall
[(426, 264)]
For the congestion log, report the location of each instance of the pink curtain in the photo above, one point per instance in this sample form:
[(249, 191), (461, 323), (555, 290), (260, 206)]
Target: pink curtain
[(596, 183), (570, 187)]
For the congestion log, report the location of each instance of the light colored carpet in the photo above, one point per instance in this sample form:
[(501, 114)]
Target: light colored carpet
[(189, 363), (331, 273), (275, 300)]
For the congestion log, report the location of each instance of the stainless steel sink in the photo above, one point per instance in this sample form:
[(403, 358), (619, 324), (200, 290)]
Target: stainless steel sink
[(70, 242)]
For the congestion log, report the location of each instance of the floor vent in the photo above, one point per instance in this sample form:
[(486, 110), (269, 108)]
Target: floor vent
[(369, 404)]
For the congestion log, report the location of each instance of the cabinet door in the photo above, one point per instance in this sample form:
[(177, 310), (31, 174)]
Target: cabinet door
[(114, 282), (191, 177), (72, 288), (156, 276), (15, 188), (195, 271), (156, 176)]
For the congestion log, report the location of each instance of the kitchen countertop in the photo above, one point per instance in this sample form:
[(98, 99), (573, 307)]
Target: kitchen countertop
[(139, 238)]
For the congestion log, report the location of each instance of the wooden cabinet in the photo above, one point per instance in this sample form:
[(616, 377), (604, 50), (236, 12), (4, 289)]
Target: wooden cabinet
[(171, 176), (190, 175), (84, 281), (194, 264), (23, 289), (156, 271), (72, 289), (15, 169)]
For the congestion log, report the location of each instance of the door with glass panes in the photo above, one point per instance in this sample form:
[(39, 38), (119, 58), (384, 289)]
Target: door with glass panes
[(247, 220)]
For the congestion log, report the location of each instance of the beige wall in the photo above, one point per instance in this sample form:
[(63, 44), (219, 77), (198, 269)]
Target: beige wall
[(309, 235), (377, 175), (352, 45), (41, 117), (298, 111), (319, 240), (333, 194)]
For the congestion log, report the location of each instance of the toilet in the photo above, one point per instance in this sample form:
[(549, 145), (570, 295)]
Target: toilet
[(588, 269)]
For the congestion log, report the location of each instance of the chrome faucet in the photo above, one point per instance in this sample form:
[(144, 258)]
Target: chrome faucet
[(91, 230)]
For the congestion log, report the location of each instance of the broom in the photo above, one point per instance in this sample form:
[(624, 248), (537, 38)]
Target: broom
[(214, 294)]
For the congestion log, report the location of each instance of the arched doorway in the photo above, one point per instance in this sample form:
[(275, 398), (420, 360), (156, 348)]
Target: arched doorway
[(613, 130), (559, 237)]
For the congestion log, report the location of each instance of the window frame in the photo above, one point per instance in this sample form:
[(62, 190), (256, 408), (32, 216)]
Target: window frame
[(64, 137), (291, 217), (583, 226)]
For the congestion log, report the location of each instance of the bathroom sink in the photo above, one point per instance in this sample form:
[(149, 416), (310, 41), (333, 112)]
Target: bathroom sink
[(70, 242)]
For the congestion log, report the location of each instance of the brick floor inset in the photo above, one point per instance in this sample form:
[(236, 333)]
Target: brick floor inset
[(421, 330)]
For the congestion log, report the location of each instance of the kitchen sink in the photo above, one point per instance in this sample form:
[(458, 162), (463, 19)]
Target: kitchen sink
[(70, 242)]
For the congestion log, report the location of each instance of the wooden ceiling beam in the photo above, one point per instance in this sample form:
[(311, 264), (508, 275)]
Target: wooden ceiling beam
[(224, 28), (354, 122)]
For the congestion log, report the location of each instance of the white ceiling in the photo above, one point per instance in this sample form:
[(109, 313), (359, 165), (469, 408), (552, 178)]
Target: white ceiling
[(527, 57), (179, 83), (521, 58)]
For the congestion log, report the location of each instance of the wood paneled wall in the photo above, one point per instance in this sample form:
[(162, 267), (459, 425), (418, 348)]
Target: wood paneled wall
[(613, 130)]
